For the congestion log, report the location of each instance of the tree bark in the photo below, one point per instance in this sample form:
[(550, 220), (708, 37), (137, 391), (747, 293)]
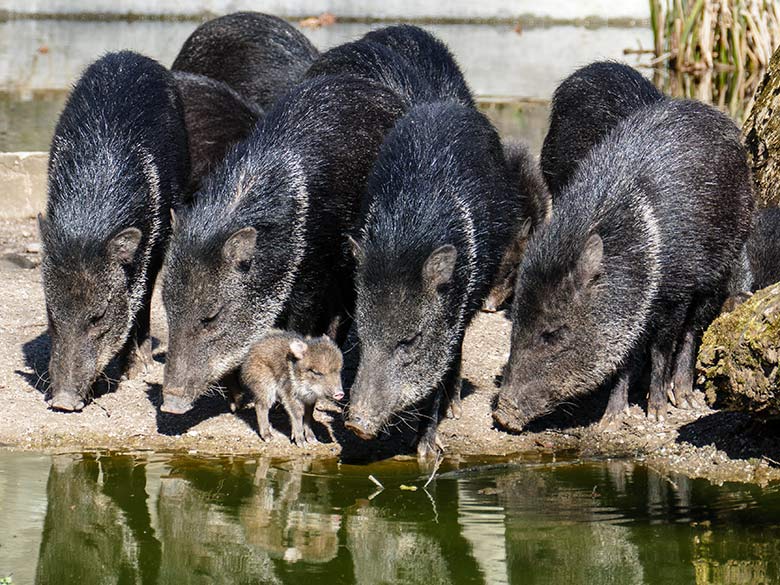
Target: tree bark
[(761, 132)]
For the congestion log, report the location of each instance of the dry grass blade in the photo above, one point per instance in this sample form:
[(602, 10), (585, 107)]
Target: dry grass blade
[(702, 34)]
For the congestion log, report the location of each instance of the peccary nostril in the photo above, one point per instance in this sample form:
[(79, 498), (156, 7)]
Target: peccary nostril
[(174, 403), (66, 401)]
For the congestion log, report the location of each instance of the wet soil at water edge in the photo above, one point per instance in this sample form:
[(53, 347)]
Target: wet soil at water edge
[(718, 446)]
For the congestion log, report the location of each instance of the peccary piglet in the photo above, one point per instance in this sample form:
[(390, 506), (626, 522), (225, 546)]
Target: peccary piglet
[(217, 117), (264, 242), (633, 265), (407, 59), (118, 159), (297, 371), (526, 177), (586, 106), (439, 212), (260, 56)]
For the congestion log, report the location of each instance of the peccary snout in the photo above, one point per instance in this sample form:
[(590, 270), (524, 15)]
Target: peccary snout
[(67, 400), (175, 401), (361, 426)]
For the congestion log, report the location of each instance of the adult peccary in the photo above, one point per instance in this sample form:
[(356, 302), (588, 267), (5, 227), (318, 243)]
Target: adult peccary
[(260, 56), (217, 117), (535, 198), (118, 159), (586, 106), (439, 211), (405, 58), (264, 242), (633, 264)]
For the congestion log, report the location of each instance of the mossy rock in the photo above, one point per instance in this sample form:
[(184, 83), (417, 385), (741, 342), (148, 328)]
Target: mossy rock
[(738, 359)]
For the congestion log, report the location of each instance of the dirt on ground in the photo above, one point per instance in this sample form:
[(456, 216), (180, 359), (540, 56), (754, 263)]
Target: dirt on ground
[(719, 446)]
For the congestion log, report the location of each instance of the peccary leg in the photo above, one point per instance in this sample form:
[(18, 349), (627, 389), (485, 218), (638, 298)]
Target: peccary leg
[(264, 400), (703, 312), (295, 410), (263, 425), (428, 445), (453, 386), (138, 358), (617, 407), (662, 357), (683, 371), (308, 423), (234, 391)]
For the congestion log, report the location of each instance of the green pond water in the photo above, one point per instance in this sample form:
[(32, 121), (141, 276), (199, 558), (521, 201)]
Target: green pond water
[(145, 518)]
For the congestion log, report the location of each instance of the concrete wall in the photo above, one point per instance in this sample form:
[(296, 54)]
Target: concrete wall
[(383, 9), (496, 60), (22, 183)]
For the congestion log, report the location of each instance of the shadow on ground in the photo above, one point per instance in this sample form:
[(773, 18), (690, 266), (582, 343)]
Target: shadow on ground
[(736, 434)]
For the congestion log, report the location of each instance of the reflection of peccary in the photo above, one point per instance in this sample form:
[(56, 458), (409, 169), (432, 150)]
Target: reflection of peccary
[(586, 106), (439, 212), (296, 371), (265, 241), (118, 159), (407, 59), (216, 116), (633, 264), (536, 203), (258, 55)]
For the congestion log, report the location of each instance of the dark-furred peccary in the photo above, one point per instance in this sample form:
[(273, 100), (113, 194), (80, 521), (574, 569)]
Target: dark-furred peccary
[(439, 211), (632, 266), (118, 159), (260, 56), (216, 116), (763, 248), (406, 58), (586, 106), (264, 243)]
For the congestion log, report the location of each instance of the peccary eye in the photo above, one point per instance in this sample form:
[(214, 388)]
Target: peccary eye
[(97, 316), (315, 373), (410, 341), (550, 336), (211, 317)]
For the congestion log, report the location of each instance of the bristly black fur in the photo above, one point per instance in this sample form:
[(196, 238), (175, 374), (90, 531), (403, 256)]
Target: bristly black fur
[(258, 55)]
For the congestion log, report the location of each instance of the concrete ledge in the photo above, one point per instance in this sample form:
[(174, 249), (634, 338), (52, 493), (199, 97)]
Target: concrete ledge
[(568, 10), (22, 183)]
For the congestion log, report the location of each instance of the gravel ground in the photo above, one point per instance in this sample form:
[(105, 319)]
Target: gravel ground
[(719, 446)]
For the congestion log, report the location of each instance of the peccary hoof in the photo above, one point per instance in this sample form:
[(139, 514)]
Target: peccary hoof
[(66, 401)]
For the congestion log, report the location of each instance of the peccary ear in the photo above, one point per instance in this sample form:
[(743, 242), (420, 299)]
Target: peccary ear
[(357, 250), (298, 348), (589, 265), (440, 266), (123, 246), (525, 229), (240, 247)]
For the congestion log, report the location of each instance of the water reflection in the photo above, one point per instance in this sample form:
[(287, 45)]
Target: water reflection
[(123, 519)]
